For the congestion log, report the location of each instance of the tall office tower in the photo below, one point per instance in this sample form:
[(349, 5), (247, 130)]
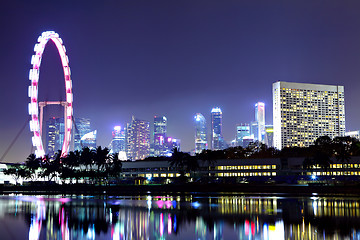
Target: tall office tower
[(138, 139), (242, 130), (82, 127), (54, 135), (269, 135), (260, 119), (217, 141), (254, 130), (170, 144), (303, 112), (200, 133), (160, 123), (89, 140), (117, 144)]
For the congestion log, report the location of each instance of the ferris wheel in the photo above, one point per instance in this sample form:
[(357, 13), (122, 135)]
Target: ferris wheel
[(34, 105)]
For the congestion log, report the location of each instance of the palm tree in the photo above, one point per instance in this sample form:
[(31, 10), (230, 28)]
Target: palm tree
[(101, 158), (33, 164)]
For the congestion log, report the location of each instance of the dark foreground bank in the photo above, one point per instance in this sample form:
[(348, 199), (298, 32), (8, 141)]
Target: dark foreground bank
[(184, 188)]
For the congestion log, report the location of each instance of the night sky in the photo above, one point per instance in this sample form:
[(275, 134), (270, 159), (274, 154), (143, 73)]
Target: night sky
[(174, 58)]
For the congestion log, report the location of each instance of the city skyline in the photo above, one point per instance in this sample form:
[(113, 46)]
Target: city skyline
[(159, 58)]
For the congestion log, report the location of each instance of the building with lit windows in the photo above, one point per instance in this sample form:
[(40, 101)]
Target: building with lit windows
[(160, 124), (137, 139), (54, 135), (242, 130), (89, 140), (118, 143), (269, 135), (260, 120), (303, 112), (81, 128), (200, 133), (217, 141)]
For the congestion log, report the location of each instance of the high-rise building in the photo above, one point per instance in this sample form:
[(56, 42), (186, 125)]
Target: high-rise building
[(118, 144), (217, 141), (160, 123), (303, 112), (138, 139), (269, 135), (200, 133), (170, 144), (242, 130), (260, 119), (254, 130), (82, 127), (54, 135), (89, 140)]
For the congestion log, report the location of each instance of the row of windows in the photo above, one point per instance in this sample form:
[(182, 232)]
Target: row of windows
[(345, 173), (247, 174), (245, 167)]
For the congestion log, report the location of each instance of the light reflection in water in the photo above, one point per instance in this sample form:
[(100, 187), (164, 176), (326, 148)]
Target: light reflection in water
[(183, 217)]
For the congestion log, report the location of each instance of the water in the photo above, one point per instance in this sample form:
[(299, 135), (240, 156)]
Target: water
[(179, 217)]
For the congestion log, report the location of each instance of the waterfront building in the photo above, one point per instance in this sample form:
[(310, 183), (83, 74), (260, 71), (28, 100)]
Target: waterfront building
[(138, 139), (160, 124), (81, 128), (217, 141), (260, 120), (303, 112), (247, 168), (200, 133), (118, 144), (242, 130)]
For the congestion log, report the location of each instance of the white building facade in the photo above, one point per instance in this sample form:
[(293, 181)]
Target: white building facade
[(303, 112)]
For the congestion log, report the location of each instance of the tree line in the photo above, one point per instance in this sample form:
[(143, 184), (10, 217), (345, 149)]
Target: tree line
[(92, 166)]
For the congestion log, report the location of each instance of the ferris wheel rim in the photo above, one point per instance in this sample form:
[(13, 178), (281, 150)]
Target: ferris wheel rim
[(33, 106)]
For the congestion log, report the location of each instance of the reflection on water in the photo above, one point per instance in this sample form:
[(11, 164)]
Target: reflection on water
[(179, 217)]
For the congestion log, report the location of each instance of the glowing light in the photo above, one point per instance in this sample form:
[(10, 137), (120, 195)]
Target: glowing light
[(313, 177), (216, 110), (33, 91)]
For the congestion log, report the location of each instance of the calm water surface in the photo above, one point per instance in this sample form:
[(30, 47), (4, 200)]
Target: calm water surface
[(179, 217)]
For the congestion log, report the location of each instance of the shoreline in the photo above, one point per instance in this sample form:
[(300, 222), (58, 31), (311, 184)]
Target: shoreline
[(171, 189)]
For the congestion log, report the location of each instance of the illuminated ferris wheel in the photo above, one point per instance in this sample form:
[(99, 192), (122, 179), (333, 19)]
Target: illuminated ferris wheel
[(36, 120)]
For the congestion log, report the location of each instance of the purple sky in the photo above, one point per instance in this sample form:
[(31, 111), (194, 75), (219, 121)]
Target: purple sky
[(174, 58)]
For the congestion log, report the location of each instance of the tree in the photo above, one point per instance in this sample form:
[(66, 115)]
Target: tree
[(101, 158), (33, 164), (342, 148), (17, 171)]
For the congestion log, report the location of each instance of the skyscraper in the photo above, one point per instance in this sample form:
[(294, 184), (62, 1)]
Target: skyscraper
[(303, 112), (82, 127), (200, 133), (160, 123), (117, 144), (217, 141), (269, 135), (54, 135), (89, 140), (242, 130), (138, 139), (260, 119)]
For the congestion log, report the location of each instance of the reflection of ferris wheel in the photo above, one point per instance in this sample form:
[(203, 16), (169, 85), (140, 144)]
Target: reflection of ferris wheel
[(36, 121)]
